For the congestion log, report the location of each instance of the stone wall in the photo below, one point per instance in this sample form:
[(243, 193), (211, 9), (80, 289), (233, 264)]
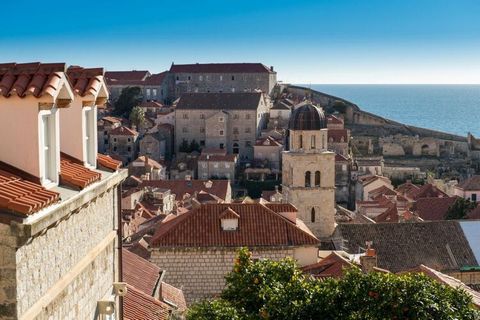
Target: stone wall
[(201, 272), (58, 264)]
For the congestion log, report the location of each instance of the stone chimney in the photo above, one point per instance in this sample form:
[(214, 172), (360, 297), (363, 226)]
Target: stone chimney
[(369, 260)]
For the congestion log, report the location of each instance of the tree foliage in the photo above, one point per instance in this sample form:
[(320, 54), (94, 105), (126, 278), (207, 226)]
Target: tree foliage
[(460, 208), (269, 289), (128, 99), (189, 147), (137, 116)]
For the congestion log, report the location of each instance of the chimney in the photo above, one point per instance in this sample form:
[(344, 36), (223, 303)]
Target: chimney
[(78, 124), (271, 68), (369, 260)]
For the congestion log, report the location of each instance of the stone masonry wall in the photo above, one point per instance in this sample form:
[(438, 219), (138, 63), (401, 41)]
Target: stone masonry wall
[(44, 260), (79, 299), (201, 272)]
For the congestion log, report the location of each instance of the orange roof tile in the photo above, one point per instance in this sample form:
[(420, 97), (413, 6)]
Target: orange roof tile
[(331, 266), (108, 162), (138, 305), (171, 295), (257, 226), (123, 131), (37, 79), (23, 197), (140, 273), (85, 81), (75, 174)]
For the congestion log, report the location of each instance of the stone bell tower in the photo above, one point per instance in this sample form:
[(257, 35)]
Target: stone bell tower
[(308, 170)]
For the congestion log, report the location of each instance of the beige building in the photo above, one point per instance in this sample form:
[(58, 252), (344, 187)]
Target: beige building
[(198, 248), (268, 151), (469, 189), (230, 121), (221, 77), (123, 143), (105, 125), (308, 170), (59, 211), (217, 164)]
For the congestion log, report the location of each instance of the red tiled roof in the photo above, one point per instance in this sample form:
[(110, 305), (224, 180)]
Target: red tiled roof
[(433, 208), (156, 79), (151, 162), (171, 295), (382, 190), (151, 104), (123, 131), (85, 81), (108, 162), (218, 158), (138, 305), (182, 187), (340, 158), (127, 75), (331, 266), (37, 79), (407, 188), (334, 120), (112, 119), (23, 197), (220, 68), (257, 226), (390, 215), (471, 184), (268, 141), (229, 214), (337, 135), (426, 191), (140, 273), (75, 174)]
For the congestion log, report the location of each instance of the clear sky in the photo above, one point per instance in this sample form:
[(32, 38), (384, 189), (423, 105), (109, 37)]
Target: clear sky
[(335, 41)]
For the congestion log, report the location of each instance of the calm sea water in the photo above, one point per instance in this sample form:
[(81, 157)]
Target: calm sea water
[(448, 108)]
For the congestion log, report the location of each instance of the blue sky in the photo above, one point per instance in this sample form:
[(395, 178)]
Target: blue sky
[(350, 41)]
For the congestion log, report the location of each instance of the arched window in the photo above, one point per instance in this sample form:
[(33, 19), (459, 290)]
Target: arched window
[(312, 215), (317, 178), (307, 179), (300, 141), (235, 148), (312, 142)]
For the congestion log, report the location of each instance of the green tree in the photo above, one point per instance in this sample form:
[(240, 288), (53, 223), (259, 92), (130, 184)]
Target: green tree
[(460, 208), (194, 146), (137, 116), (129, 98), (184, 147), (267, 289)]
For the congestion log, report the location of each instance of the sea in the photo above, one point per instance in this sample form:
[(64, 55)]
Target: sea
[(448, 108)]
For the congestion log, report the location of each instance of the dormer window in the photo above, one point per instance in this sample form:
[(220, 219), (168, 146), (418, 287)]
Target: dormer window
[(49, 143), (90, 148), (229, 220)]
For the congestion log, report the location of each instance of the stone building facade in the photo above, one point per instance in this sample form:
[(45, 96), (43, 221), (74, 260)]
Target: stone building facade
[(230, 121), (216, 164), (221, 77), (124, 144), (308, 170), (59, 227), (154, 86), (200, 250)]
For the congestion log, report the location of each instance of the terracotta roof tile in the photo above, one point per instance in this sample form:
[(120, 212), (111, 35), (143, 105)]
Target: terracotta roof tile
[(220, 68), (331, 266), (85, 81), (268, 141), (471, 184), (127, 75), (257, 226), (35, 78), (24, 197), (112, 119), (138, 305), (76, 175), (140, 273), (220, 101), (433, 208), (108, 162), (426, 191), (181, 187), (123, 131), (171, 295)]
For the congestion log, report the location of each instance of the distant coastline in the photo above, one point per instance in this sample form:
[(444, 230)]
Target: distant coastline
[(448, 108)]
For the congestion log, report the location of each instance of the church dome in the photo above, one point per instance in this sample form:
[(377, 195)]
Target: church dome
[(307, 117)]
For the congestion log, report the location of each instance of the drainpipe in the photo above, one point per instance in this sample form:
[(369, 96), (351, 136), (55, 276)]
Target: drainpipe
[(119, 233)]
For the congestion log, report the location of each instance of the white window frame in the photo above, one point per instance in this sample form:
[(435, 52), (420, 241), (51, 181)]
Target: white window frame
[(154, 92), (148, 92), (49, 168), (89, 136)]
